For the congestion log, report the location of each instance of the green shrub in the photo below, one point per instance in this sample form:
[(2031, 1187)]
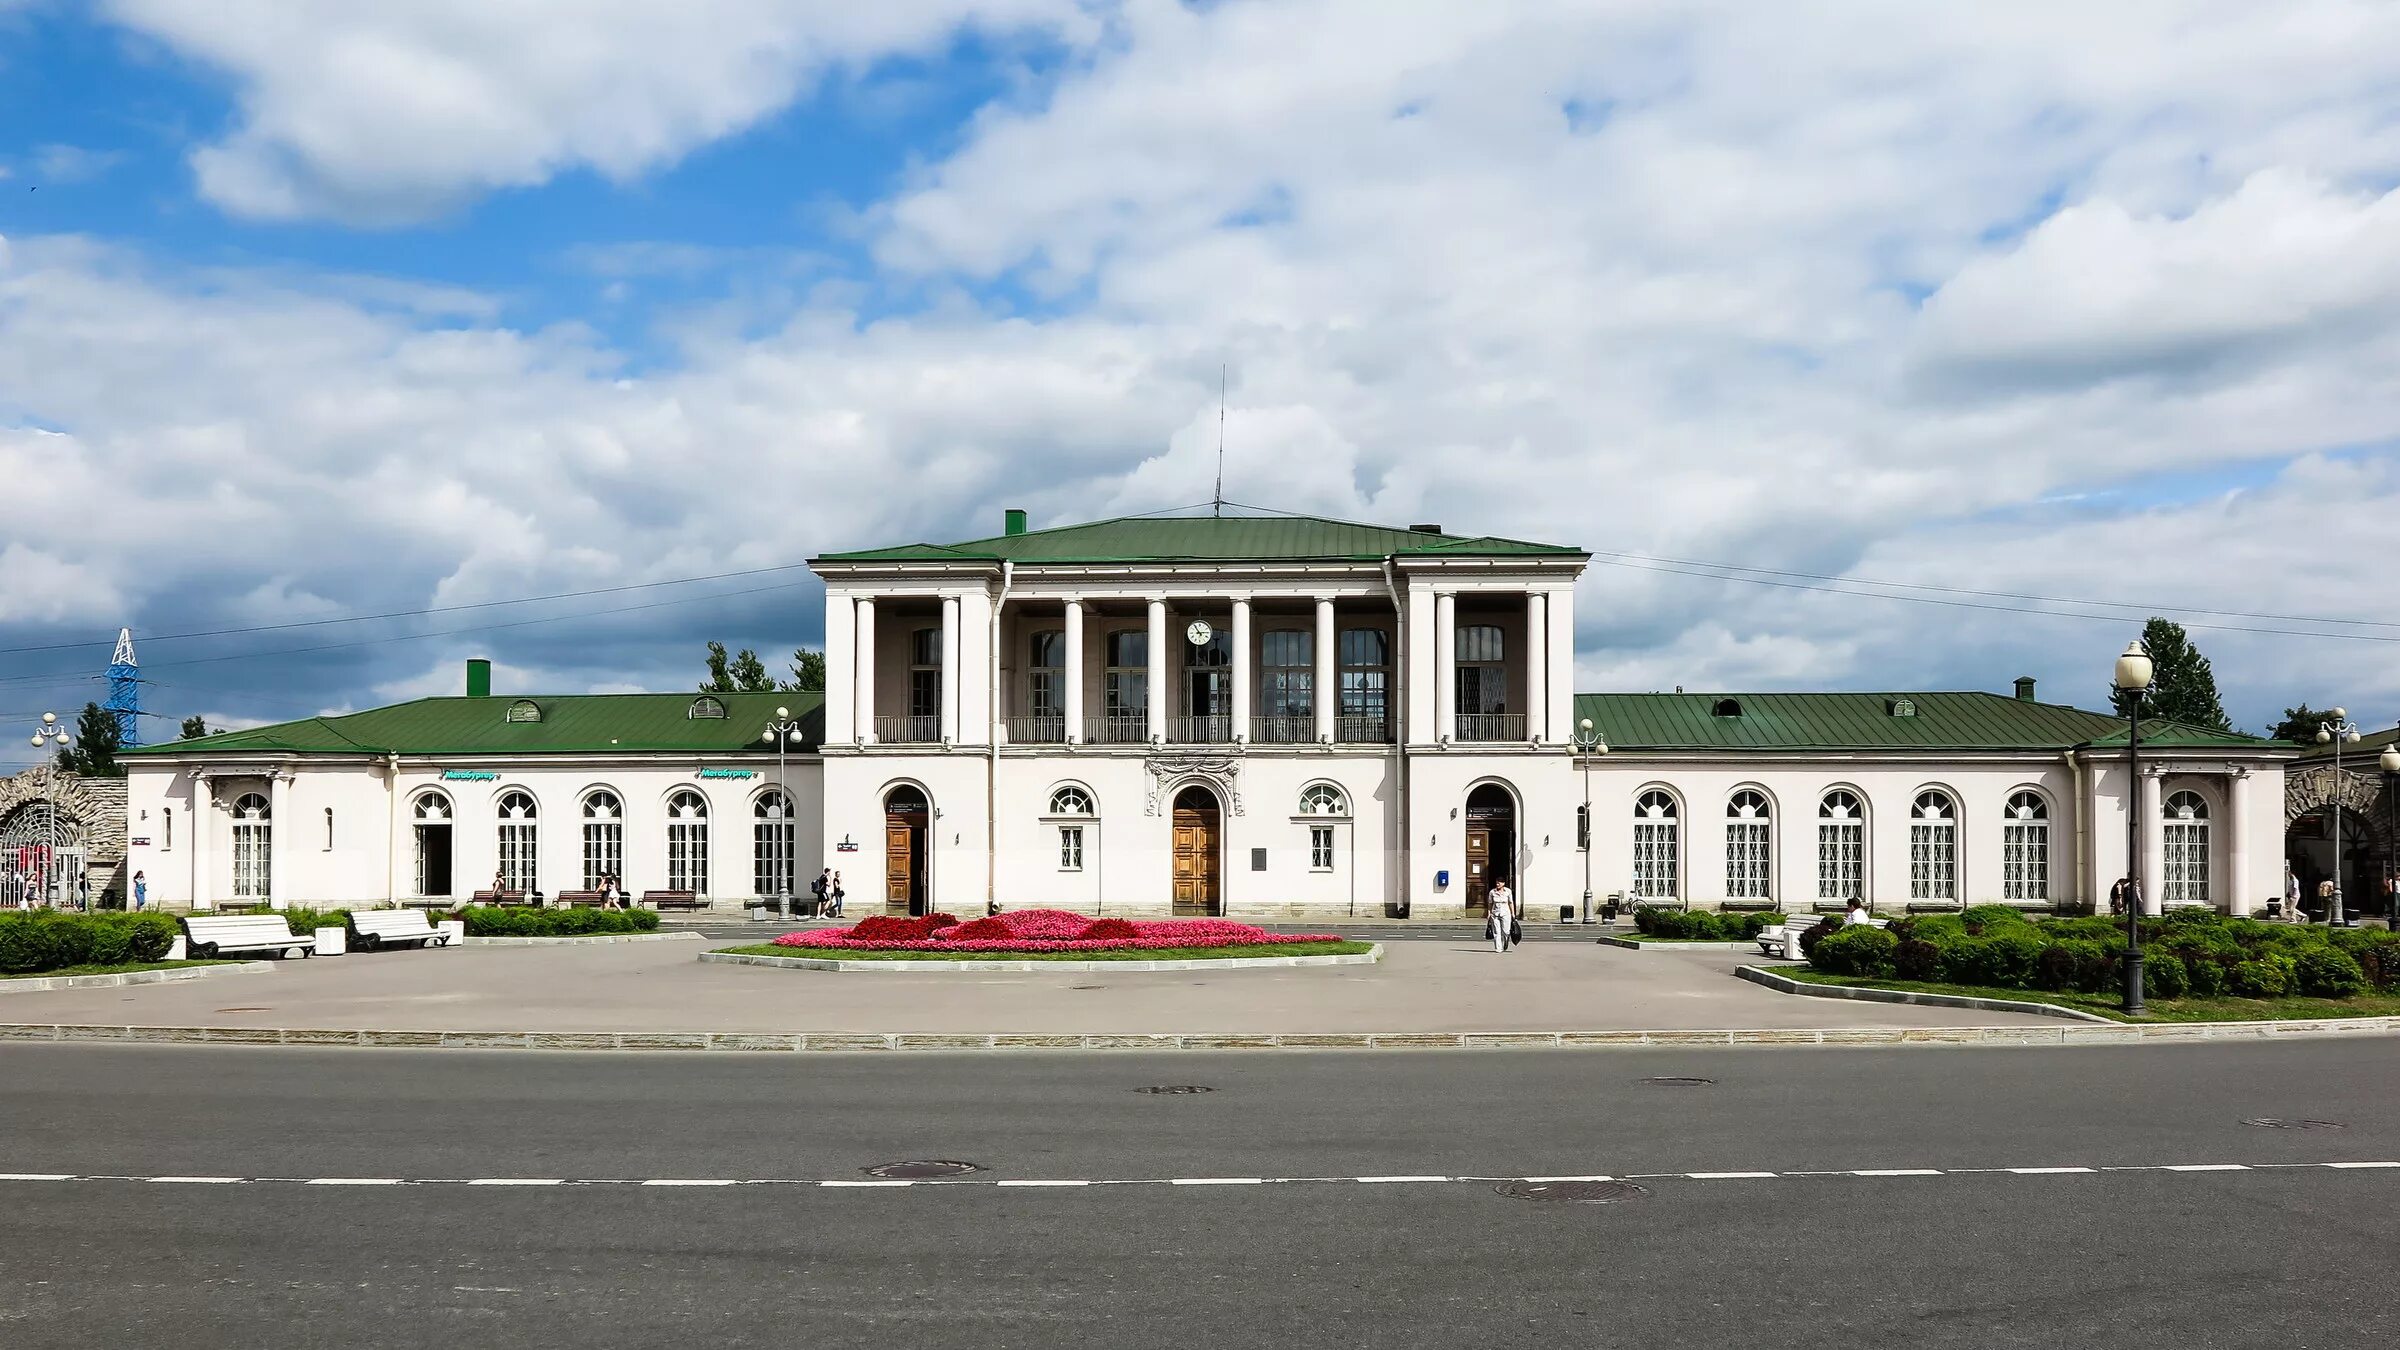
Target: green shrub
[(1748, 925), (2328, 972), (2210, 978), (1857, 949), (2269, 975), (1983, 918), (2080, 966), (2009, 959), (496, 921), (1819, 931), (1916, 959), (2164, 976), (38, 940)]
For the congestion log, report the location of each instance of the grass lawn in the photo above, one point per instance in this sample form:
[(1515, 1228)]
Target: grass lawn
[(1136, 954), (2160, 1010), (113, 970)]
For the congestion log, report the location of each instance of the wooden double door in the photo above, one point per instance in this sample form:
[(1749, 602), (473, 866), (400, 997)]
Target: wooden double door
[(1491, 842), (905, 883), (1199, 853)]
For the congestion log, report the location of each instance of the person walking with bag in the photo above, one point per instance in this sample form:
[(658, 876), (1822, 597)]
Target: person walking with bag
[(835, 890), (1500, 908)]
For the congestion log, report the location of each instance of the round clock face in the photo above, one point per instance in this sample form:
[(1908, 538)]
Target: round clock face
[(1199, 632)]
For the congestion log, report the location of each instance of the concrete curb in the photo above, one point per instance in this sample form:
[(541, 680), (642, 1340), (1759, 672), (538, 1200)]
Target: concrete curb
[(38, 983), (823, 1042), (1633, 946), (579, 939), (1860, 993), (1365, 958)]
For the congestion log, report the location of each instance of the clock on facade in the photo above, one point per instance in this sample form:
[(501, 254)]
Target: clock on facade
[(1199, 632)]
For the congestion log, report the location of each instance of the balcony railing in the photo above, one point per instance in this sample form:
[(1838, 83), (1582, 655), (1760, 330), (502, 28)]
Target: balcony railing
[(1199, 730), (1037, 729), (1362, 731), (1116, 729), (1283, 730), (908, 730), (1491, 726)]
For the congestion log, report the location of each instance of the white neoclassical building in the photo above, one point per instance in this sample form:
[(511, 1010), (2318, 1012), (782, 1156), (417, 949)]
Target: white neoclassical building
[(1245, 715)]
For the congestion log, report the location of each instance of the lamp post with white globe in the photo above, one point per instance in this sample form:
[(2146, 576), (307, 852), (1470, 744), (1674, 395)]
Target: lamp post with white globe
[(48, 733), (782, 731), (1588, 746), (2338, 732), (2133, 673), (2390, 762)]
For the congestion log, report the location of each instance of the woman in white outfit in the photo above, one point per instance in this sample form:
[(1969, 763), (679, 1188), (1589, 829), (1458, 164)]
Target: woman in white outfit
[(1501, 907)]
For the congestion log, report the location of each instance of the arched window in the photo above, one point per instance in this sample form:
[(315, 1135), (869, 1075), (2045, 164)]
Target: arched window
[(1071, 800), (432, 844), (524, 710), (253, 848), (1841, 846), (520, 841), (775, 844), (2025, 848), (704, 707), (1657, 848), (687, 842), (2186, 860), (1323, 799), (1933, 847), (1749, 847), (603, 838)]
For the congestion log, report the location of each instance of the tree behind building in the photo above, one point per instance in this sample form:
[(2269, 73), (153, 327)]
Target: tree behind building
[(97, 740), (2182, 687)]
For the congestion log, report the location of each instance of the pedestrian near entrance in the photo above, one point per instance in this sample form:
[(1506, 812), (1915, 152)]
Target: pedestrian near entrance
[(821, 890), (1500, 915), (2291, 895), (141, 891), (834, 890), (2325, 900)]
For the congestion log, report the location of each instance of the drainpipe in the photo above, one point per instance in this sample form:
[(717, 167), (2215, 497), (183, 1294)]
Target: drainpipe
[(991, 738), (2083, 827), (1399, 700), (391, 828)]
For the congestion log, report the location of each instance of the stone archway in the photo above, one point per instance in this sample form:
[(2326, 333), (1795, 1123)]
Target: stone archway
[(90, 832), (2312, 798)]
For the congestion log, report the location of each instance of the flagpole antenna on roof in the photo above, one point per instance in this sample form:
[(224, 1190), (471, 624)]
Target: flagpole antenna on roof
[(1217, 503)]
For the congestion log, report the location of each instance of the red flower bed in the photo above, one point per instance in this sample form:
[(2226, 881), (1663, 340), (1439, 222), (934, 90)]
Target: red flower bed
[(1039, 930)]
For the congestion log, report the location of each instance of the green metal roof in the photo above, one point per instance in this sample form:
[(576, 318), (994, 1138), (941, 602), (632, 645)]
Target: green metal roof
[(2361, 756), (1139, 539), (1938, 721), (570, 724)]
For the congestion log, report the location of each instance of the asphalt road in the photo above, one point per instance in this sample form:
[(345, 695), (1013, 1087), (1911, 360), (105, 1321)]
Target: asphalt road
[(2286, 1252)]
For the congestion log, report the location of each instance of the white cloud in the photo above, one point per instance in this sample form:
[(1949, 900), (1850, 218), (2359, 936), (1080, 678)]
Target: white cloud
[(63, 164), (393, 112)]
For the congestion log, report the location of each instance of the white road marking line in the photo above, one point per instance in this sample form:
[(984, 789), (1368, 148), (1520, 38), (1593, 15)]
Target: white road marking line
[(1729, 1176), (2046, 1171), (1895, 1172), (351, 1181), (1380, 1181), (1217, 1181), (37, 1176), (2362, 1164), (200, 1181), (516, 1181)]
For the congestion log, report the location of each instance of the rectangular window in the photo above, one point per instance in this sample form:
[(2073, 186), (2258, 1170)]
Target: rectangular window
[(1320, 848), (1366, 677), (1125, 687), (1045, 687), (687, 855), (924, 673), (166, 824), (1070, 848), (772, 856), (1841, 859), (1746, 866), (517, 870), (329, 829), (1287, 680), (1654, 858), (2026, 865), (1932, 860), (2187, 864)]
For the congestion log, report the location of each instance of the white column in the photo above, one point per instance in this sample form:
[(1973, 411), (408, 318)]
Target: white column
[(2237, 857), (2154, 838), (864, 728), (1445, 665), (841, 668), (1560, 606), (279, 851), (1241, 668), (1326, 698), (1416, 658), (951, 674), (203, 817), (1537, 668), (1157, 725), (1071, 698)]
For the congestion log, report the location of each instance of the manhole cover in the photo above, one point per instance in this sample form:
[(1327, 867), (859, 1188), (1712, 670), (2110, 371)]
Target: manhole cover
[(1678, 1082), (1572, 1192), (2285, 1123), (921, 1170), (1176, 1090)]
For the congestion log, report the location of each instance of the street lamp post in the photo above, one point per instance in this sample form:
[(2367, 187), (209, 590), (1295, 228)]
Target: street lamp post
[(783, 731), (50, 732), (2133, 677), (2390, 761), (2339, 732), (1588, 745)]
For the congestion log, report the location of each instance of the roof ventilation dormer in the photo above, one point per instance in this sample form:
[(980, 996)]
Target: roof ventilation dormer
[(1726, 707), (2025, 688), (524, 710), (1012, 521), (704, 707), (1424, 529), (1902, 707)]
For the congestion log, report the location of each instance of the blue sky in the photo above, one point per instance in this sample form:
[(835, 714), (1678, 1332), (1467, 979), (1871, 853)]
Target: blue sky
[(309, 312)]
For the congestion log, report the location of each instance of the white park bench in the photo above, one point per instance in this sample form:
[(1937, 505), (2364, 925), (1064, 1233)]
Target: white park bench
[(1783, 939), (375, 929), (210, 934)]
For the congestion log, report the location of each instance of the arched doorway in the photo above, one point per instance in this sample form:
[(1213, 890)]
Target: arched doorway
[(1199, 850), (1491, 841), (43, 845), (2308, 849), (907, 817)]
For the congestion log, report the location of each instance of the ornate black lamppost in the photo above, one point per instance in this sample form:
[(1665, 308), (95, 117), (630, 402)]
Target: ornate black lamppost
[(2133, 676)]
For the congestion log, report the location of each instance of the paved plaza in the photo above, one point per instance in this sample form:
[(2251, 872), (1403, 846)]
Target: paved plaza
[(1431, 986)]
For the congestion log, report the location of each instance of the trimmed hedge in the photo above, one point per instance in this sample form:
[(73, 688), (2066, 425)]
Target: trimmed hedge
[(496, 921), (1700, 925), (37, 940), (2191, 952)]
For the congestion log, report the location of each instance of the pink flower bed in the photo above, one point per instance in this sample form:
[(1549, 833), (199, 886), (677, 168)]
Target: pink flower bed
[(1043, 930)]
